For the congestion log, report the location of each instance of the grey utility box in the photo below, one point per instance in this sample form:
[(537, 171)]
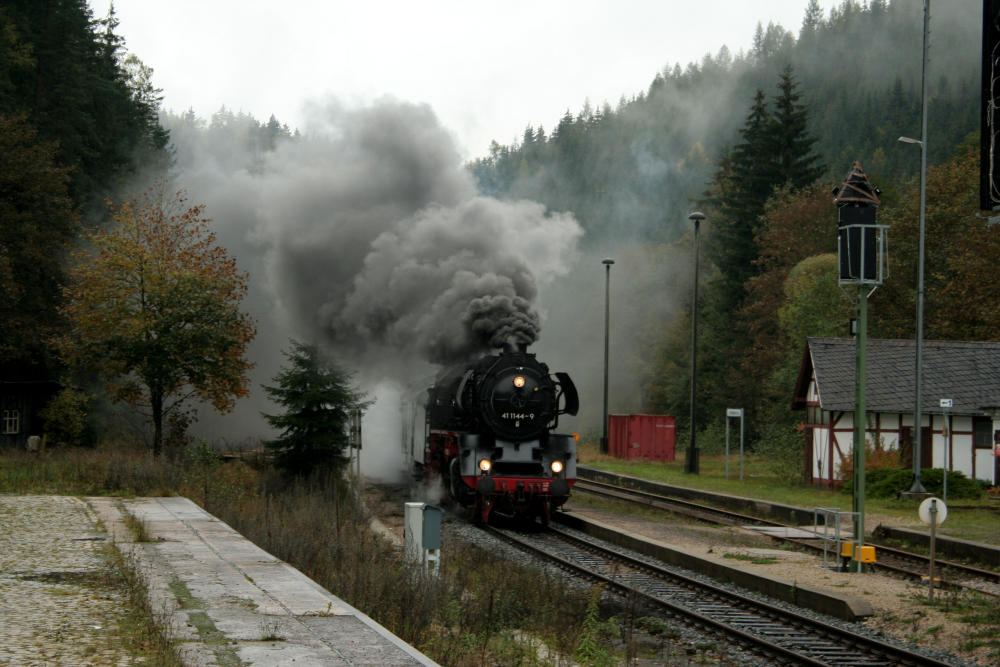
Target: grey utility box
[(423, 534)]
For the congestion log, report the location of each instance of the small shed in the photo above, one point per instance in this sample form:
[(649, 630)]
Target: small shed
[(20, 402), (967, 372), (650, 437)]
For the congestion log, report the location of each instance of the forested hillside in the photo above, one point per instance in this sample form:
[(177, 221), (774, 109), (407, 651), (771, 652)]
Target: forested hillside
[(78, 117), (636, 167), (757, 141)]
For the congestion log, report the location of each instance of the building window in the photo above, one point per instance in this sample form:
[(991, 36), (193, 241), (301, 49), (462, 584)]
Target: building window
[(11, 422), (982, 429)]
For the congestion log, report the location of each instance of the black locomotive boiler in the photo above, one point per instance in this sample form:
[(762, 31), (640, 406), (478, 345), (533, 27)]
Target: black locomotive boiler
[(490, 435)]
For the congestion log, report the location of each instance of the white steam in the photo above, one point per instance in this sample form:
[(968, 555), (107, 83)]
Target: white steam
[(382, 455)]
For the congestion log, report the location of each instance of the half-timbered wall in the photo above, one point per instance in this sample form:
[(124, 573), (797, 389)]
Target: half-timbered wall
[(832, 440)]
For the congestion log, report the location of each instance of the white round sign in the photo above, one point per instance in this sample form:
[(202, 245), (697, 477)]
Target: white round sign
[(925, 511)]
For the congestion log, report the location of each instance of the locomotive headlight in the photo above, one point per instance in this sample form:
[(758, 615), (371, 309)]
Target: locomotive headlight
[(557, 467), (485, 465), (518, 381)]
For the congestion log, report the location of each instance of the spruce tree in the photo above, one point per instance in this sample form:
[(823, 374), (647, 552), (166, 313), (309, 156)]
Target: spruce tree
[(37, 226), (317, 397), (740, 189), (789, 142), (74, 80), (775, 150)]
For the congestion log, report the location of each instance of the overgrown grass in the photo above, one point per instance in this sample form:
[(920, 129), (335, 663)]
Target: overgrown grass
[(977, 610), (124, 471), (977, 520), (756, 560), (469, 615), (137, 527), (142, 634)]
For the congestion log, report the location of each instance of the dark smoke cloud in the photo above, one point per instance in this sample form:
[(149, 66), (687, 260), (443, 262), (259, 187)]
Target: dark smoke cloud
[(453, 281), (325, 199), (501, 319), (367, 234)]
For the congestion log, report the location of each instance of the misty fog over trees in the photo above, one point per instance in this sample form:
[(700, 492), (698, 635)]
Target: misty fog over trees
[(756, 140), (636, 167)]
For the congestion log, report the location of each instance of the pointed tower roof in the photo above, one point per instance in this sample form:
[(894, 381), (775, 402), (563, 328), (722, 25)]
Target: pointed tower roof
[(857, 189)]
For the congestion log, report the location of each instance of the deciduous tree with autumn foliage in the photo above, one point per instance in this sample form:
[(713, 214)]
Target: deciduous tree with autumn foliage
[(961, 277), (154, 309)]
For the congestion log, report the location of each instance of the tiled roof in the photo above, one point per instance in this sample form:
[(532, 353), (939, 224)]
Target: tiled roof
[(964, 371)]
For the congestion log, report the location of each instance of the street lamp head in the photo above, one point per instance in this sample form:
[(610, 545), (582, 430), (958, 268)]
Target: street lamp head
[(696, 216), (608, 261), (910, 140)]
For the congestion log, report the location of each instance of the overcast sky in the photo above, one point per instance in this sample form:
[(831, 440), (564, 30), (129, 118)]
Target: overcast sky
[(487, 68)]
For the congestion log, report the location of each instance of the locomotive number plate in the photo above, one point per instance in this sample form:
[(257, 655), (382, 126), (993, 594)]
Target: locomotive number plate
[(518, 415)]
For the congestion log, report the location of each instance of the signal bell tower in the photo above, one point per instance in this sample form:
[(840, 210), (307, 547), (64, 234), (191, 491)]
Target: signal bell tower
[(862, 247)]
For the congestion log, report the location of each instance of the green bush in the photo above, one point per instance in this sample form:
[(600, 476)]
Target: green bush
[(959, 486), (888, 482), (781, 446), (66, 417), (712, 439), (884, 482)]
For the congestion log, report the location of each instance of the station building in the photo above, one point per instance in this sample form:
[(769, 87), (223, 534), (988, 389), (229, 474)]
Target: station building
[(964, 437)]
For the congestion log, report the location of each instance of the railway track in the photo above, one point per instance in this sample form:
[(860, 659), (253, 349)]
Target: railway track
[(897, 561), (777, 633)]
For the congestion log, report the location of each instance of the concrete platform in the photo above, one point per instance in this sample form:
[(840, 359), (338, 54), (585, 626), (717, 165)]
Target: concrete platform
[(229, 602), (789, 531)]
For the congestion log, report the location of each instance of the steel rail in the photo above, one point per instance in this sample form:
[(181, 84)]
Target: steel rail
[(729, 610), (689, 616)]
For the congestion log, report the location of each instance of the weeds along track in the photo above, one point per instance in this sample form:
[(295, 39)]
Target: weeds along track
[(781, 635), (890, 559)]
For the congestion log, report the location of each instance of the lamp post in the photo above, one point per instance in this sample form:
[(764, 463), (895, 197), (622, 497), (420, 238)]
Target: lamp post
[(691, 460), (607, 328), (916, 486)]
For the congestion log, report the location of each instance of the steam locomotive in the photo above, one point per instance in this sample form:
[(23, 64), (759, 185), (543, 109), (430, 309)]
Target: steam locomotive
[(490, 435)]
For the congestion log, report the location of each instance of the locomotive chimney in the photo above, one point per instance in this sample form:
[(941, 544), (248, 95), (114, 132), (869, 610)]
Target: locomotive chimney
[(512, 345)]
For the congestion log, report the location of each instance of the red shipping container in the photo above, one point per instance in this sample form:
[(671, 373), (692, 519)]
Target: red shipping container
[(649, 437)]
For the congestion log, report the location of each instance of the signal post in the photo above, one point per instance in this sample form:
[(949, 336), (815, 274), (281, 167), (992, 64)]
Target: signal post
[(862, 253)]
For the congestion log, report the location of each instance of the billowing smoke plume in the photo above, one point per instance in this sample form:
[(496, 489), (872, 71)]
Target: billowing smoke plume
[(367, 235), (376, 241), (501, 319), (453, 281)]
